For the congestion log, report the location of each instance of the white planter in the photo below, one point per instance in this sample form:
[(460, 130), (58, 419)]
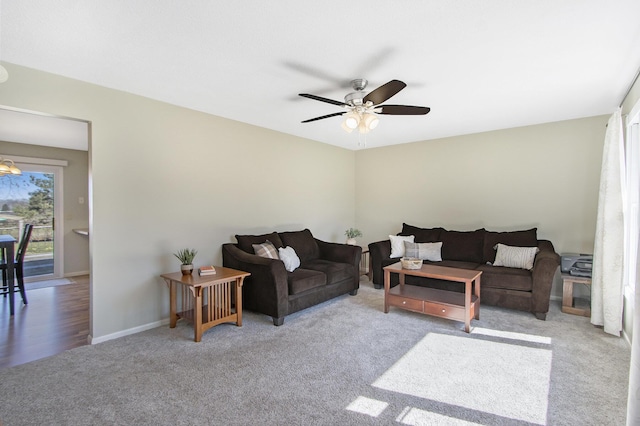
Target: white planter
[(351, 241), (186, 269)]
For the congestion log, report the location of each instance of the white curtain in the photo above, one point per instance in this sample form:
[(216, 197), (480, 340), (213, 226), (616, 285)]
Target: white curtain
[(608, 252)]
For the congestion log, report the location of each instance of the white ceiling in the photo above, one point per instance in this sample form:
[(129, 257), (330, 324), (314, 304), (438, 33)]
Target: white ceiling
[(479, 64)]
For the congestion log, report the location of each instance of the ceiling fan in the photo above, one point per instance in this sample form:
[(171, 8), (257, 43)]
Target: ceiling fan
[(361, 107)]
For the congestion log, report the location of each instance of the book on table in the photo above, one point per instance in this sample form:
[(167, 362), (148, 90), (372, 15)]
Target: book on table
[(207, 270)]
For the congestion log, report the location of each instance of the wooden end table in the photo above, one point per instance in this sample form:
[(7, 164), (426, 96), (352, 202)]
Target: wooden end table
[(568, 306), (365, 263), (207, 300), (432, 301)]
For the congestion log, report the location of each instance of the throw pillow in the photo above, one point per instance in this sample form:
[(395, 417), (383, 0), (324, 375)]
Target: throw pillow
[(289, 257), (397, 244), (424, 251), (515, 257), (526, 238), (266, 249)]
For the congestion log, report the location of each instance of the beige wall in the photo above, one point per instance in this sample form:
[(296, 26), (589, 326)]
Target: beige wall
[(543, 176), (165, 178), (76, 184)]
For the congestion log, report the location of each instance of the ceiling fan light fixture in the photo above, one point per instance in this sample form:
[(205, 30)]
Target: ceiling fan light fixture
[(345, 128), (352, 120), (371, 121)]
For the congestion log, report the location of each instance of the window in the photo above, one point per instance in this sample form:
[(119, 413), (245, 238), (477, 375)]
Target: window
[(632, 199)]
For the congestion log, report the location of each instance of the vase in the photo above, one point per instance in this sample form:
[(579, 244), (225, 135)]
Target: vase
[(351, 241), (186, 269)]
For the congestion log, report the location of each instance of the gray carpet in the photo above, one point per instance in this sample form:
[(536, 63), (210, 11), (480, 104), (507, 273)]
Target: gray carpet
[(343, 362)]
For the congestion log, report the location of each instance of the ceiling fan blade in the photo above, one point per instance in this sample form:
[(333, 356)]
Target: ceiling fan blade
[(321, 99), (402, 110), (384, 92), (324, 116)]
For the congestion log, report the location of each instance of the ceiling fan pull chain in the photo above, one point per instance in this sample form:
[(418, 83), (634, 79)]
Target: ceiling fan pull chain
[(361, 143)]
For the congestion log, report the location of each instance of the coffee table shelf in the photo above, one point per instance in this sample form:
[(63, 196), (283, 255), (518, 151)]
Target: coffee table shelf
[(431, 301)]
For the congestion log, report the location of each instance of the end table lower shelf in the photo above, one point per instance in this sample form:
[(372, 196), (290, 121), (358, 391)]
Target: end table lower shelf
[(568, 302)]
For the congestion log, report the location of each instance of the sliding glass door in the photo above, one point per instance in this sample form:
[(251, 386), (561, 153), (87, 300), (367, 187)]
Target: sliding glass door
[(33, 198)]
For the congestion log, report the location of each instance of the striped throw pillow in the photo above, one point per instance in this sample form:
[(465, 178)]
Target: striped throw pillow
[(266, 249), (515, 257), (424, 251)]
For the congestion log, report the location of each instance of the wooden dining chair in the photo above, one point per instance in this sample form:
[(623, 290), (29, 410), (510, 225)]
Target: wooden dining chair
[(18, 264)]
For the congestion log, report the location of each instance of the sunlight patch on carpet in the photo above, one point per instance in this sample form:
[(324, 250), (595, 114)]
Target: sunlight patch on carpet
[(368, 406), (507, 380), (415, 417), (511, 335)]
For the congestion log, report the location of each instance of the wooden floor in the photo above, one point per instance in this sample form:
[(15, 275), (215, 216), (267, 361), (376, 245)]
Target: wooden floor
[(56, 319)]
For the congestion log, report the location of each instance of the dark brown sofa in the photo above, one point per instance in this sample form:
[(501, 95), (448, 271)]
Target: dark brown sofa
[(525, 290), (327, 270)]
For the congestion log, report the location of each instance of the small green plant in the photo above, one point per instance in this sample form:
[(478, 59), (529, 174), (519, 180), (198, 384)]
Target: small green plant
[(186, 256), (353, 233)]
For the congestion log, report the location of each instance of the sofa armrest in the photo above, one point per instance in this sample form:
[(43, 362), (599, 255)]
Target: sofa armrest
[(379, 252), (545, 266), (266, 290)]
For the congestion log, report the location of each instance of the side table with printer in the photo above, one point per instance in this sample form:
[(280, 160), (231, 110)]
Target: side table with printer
[(575, 268)]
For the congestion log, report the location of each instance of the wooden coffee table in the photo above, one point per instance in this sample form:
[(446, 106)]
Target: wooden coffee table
[(431, 301), (207, 300)]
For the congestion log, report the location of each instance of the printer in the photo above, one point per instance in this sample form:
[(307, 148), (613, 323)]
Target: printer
[(578, 264)]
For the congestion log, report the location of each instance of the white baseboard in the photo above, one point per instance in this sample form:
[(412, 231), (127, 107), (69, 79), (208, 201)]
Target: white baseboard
[(94, 340)]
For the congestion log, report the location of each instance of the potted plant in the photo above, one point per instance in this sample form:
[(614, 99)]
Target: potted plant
[(352, 234), (185, 256)]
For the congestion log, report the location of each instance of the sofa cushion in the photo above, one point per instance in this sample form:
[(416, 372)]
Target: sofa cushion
[(289, 258), (397, 244), (422, 235), (246, 242), (266, 249), (505, 278), (303, 243), (515, 257), (302, 280), (528, 238), (465, 246), (424, 251), (334, 271)]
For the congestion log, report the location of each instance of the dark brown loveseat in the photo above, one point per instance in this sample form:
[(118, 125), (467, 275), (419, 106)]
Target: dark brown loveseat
[(515, 288), (327, 270)]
